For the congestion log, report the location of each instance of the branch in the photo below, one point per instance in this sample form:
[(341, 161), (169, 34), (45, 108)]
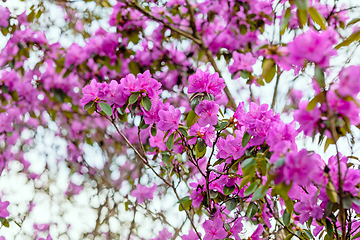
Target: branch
[(136, 6)]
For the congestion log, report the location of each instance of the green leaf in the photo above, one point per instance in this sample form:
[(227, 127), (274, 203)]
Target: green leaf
[(328, 208), (269, 69), (106, 108), (308, 233), (200, 145), (286, 218), (67, 73), (352, 22), (195, 102), (289, 205), (146, 103), (167, 160), (184, 199), (251, 189), (302, 16), (183, 131), (312, 104), (245, 139), (221, 126), (247, 163), (170, 142), (353, 37), (153, 130), (91, 109), (123, 117), (356, 235), (317, 17), (118, 65), (133, 67), (356, 201), (285, 21), (319, 76), (327, 143), (347, 202), (245, 181), (302, 4), (88, 105), (329, 228), (4, 89), (192, 118), (288, 237), (6, 224), (231, 204), (331, 192), (243, 29), (200, 154), (260, 193), (228, 190), (134, 97), (143, 125), (251, 210)]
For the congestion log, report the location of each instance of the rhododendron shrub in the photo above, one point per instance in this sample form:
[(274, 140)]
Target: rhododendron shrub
[(181, 119)]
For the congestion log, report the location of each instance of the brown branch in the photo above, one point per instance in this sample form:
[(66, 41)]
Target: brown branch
[(136, 6)]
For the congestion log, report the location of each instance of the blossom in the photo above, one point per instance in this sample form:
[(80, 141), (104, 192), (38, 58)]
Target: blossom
[(206, 82), (3, 209), (163, 235), (157, 140), (93, 91), (142, 193), (301, 168), (259, 230), (191, 236), (5, 123), (73, 189), (307, 206), (206, 133), (242, 62), (115, 94), (307, 119), (5, 14), (207, 110), (150, 85), (169, 119), (314, 47), (236, 228), (214, 229)]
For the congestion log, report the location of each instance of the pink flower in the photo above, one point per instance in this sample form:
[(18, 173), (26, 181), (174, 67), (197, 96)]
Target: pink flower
[(242, 62), (307, 119), (157, 141), (163, 235), (314, 47), (307, 206), (191, 236), (237, 228), (5, 14), (206, 133), (141, 193), (207, 110), (206, 82), (3, 209), (214, 229), (169, 119), (73, 189), (115, 94), (47, 238), (349, 81), (93, 91), (301, 168), (5, 123), (259, 230)]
